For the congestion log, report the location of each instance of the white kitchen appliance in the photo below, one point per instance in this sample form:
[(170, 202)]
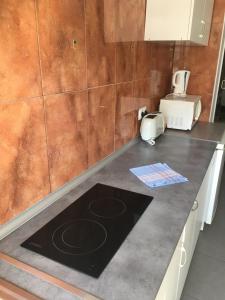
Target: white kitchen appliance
[(152, 125), (180, 112), (213, 181), (180, 82)]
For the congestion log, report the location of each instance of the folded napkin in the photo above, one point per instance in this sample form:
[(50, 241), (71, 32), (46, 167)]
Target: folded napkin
[(159, 174)]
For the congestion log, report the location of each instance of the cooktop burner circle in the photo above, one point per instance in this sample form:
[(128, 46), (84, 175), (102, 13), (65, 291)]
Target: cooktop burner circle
[(107, 207), (79, 237)]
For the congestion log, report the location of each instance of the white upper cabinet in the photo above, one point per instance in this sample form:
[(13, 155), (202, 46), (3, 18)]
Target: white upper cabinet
[(179, 20)]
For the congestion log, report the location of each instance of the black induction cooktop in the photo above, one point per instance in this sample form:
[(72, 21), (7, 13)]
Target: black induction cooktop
[(87, 234)]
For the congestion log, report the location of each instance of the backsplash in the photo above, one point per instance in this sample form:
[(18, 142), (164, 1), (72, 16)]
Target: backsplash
[(202, 61), (67, 98)]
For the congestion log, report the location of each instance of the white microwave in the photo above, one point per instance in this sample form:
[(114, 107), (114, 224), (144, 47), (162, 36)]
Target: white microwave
[(181, 112)]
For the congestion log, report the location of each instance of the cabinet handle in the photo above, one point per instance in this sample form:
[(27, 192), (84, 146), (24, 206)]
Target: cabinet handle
[(183, 251), (202, 22), (200, 36), (195, 206)]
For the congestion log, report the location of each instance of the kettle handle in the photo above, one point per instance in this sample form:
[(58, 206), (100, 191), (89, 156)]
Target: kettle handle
[(175, 77)]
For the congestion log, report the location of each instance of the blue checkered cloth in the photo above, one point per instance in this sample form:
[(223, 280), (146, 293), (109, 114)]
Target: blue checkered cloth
[(157, 175)]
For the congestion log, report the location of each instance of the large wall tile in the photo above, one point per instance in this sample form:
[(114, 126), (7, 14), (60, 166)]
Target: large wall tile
[(202, 61), (100, 54), (101, 120), (126, 115), (24, 177), (125, 61), (143, 97), (201, 84), (129, 20), (67, 125), (206, 106), (63, 62), (218, 11), (144, 60), (19, 63), (196, 59), (92, 90), (143, 93), (162, 57)]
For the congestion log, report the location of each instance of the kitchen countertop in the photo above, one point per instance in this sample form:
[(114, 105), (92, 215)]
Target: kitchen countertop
[(214, 132), (137, 269)]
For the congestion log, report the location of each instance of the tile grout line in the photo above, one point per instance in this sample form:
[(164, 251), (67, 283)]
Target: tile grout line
[(85, 39), (115, 93), (74, 91), (43, 97), (86, 66)]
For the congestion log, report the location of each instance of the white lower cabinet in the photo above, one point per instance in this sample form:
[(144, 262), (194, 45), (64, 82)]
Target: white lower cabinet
[(168, 289), (174, 280), (189, 239), (202, 211)]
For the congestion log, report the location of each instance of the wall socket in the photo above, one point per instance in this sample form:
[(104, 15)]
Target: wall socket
[(140, 111)]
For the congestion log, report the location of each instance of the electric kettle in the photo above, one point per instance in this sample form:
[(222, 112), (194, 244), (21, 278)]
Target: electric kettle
[(180, 82)]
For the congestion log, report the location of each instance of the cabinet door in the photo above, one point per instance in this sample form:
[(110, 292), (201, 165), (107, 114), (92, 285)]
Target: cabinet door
[(201, 21), (207, 21), (187, 249), (167, 20), (168, 289), (214, 180), (197, 17)]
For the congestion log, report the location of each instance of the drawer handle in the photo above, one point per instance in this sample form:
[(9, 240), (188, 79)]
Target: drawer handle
[(195, 206), (183, 251)]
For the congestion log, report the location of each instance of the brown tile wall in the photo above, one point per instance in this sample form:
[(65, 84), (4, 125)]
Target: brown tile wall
[(68, 98), (202, 61)]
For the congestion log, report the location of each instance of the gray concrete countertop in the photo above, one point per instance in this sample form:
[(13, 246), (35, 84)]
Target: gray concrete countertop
[(137, 269), (202, 130)]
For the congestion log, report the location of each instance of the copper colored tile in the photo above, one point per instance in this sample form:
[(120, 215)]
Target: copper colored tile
[(162, 56), (126, 115), (203, 60), (19, 64), (160, 84), (24, 177), (67, 125), (101, 120), (125, 61), (178, 58), (124, 21), (206, 106), (62, 45), (201, 84), (100, 54), (142, 93), (165, 86), (143, 60), (129, 20), (218, 11)]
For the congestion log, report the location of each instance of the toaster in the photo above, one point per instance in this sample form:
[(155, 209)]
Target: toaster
[(180, 112), (152, 125)]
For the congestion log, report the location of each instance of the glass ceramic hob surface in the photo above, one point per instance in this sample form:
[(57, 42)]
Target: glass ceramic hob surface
[(87, 234)]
